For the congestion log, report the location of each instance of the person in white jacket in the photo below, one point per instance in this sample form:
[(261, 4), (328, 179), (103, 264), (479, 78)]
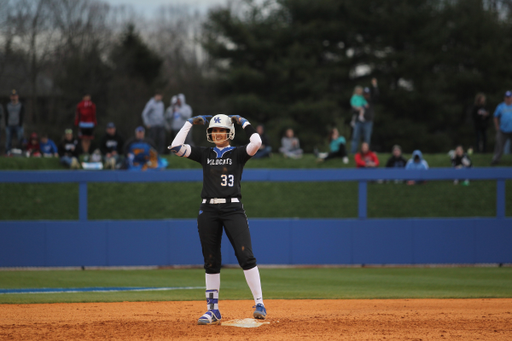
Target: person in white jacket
[(176, 116)]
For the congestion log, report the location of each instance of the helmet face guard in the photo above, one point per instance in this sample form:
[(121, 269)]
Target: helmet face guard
[(220, 121)]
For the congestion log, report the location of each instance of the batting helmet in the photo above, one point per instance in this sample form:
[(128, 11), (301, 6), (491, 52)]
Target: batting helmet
[(220, 121)]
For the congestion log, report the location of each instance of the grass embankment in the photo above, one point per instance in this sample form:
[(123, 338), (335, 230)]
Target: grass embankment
[(286, 199), (311, 283)]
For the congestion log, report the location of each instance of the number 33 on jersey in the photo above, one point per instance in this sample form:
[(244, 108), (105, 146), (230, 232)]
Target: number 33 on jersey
[(222, 170)]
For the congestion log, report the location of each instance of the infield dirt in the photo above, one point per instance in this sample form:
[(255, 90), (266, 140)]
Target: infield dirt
[(405, 319)]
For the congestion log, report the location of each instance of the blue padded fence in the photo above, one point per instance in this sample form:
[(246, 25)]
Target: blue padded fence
[(275, 241)]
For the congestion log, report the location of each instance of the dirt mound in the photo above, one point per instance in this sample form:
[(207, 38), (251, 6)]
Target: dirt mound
[(418, 319)]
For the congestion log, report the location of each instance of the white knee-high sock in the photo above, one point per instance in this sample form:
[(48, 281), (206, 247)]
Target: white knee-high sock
[(212, 281), (252, 276)]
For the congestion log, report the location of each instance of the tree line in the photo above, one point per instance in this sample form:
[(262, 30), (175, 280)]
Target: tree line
[(283, 63), (295, 63)]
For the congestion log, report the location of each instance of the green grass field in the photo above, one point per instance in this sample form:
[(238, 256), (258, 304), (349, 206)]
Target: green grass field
[(285, 199), (288, 283)]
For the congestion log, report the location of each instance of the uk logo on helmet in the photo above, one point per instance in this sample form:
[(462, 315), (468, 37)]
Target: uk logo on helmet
[(217, 119)]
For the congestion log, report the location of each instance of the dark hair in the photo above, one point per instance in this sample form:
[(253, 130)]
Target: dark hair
[(478, 97), (331, 131)]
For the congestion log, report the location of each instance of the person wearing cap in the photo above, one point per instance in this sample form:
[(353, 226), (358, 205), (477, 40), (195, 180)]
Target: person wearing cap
[(111, 147), (69, 150), (13, 121), (85, 119), (503, 125), (48, 147), (33, 148), (153, 118), (140, 153), (363, 125)]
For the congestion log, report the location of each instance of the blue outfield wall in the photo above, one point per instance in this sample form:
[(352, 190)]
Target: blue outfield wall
[(275, 241)]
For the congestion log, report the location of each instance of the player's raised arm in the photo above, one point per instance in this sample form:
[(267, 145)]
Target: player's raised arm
[(177, 146), (254, 137)]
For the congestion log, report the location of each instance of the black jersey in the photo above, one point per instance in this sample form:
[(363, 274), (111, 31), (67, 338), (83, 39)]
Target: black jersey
[(222, 170)]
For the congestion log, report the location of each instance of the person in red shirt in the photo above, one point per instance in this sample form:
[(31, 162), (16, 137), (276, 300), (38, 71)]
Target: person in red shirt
[(85, 119), (366, 158), (33, 146)]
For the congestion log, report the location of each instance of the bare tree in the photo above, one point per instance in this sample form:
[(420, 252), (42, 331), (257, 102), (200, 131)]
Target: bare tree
[(35, 37)]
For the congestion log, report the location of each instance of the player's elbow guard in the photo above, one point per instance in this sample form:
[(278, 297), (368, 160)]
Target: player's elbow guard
[(256, 139)]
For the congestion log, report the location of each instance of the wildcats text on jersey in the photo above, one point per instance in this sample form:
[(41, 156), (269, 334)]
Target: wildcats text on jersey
[(219, 162)]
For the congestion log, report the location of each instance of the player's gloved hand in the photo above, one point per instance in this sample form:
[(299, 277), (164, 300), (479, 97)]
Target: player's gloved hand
[(199, 120), (238, 119)]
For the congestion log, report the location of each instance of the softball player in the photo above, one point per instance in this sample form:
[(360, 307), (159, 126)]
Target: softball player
[(221, 206)]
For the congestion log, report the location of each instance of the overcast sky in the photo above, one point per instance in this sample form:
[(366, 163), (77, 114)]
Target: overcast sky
[(149, 7)]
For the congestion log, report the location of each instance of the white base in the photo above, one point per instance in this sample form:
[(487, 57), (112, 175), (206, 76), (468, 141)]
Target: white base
[(244, 323)]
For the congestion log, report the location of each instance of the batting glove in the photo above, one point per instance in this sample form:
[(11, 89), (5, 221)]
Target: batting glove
[(199, 120), (238, 119)]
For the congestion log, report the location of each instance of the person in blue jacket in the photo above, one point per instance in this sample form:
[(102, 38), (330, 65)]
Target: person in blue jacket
[(416, 162), (48, 147), (140, 153), (503, 125)]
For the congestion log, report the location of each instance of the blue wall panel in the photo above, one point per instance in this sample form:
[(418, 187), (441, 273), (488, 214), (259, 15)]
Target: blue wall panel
[(383, 242), (271, 241), (322, 241), (137, 243), (76, 243), (184, 245), (494, 241), (22, 244), (444, 241), (275, 241)]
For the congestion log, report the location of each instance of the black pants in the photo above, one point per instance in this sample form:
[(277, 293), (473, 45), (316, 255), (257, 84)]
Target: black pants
[(212, 219), (481, 135), (342, 152)]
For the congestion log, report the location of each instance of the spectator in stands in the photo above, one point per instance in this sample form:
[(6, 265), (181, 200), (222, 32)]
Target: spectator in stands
[(364, 125), (290, 145), (503, 125), (176, 116), (396, 160), (358, 105), (1, 117), (265, 148), (111, 147), (154, 120), (48, 147), (33, 148), (366, 158), (140, 153), (416, 162), (460, 160), (336, 146), (85, 119), (481, 117), (69, 150), (14, 115)]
